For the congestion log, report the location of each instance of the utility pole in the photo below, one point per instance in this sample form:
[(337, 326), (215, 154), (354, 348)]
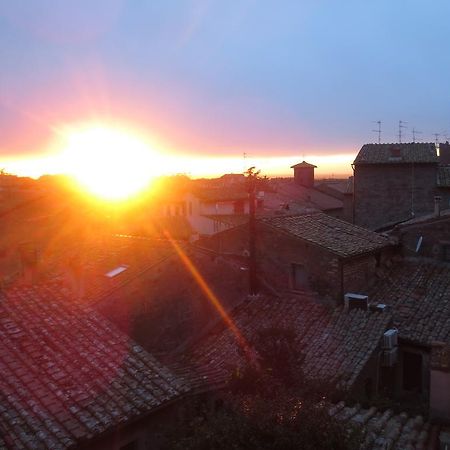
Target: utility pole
[(252, 177), (378, 131)]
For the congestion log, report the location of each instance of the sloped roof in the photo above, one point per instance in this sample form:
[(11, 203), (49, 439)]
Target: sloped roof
[(303, 164), (419, 294), (410, 432), (335, 235), (397, 153), (299, 198), (444, 176), (91, 258), (68, 374), (336, 343)]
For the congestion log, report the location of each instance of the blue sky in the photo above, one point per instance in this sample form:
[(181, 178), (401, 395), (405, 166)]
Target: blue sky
[(221, 77)]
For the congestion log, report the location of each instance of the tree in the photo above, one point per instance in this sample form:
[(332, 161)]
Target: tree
[(266, 407)]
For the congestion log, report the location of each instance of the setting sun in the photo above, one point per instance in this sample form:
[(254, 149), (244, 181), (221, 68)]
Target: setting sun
[(109, 162)]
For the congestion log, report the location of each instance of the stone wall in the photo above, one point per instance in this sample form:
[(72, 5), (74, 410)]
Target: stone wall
[(435, 235), (277, 252), (389, 193)]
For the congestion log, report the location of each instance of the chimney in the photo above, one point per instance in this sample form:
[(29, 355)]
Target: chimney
[(304, 174), (444, 153), (437, 205)]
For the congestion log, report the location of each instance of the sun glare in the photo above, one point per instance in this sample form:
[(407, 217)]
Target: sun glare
[(110, 163)]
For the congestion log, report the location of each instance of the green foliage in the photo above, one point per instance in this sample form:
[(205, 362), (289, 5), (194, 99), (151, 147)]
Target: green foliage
[(268, 406), (279, 423)]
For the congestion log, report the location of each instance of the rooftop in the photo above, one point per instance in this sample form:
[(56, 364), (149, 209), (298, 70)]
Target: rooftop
[(336, 343), (303, 164), (68, 375), (385, 429), (397, 153), (335, 235), (300, 199), (419, 293)]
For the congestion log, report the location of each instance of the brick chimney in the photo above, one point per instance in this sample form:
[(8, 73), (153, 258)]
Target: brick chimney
[(444, 153), (304, 174)]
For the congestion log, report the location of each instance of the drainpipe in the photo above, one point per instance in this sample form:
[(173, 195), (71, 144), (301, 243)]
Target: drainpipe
[(353, 195)]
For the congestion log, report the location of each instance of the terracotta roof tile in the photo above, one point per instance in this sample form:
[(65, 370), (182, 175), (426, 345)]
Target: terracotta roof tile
[(336, 343), (419, 294), (384, 429), (299, 198), (335, 235), (68, 374), (397, 153)]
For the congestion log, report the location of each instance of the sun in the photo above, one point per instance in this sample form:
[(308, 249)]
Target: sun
[(111, 163)]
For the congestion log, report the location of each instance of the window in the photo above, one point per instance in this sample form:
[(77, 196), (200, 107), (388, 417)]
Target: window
[(117, 271)]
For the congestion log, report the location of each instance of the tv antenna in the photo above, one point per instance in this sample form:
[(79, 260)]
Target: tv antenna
[(414, 132), (378, 131), (401, 125), (436, 138)]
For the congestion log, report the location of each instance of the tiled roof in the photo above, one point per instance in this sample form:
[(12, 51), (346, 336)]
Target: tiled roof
[(68, 375), (444, 176), (337, 236), (299, 198), (387, 430), (90, 259), (397, 153), (303, 164), (419, 294), (336, 343)]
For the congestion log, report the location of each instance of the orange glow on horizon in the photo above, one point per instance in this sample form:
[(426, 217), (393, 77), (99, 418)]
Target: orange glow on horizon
[(109, 162)]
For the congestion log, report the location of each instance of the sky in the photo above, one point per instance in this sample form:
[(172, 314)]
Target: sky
[(208, 81)]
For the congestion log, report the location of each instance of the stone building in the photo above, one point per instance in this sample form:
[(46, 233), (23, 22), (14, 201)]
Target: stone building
[(394, 183), (417, 294), (427, 236), (314, 252)]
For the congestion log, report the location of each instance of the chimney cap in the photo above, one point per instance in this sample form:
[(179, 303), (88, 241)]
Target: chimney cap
[(303, 164)]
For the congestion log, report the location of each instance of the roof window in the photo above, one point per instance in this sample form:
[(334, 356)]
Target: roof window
[(117, 271)]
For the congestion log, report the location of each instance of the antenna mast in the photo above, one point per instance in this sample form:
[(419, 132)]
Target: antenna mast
[(378, 131), (414, 132), (400, 127), (436, 138)]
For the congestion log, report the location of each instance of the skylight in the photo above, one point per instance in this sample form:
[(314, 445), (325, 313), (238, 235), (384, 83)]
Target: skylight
[(117, 271)]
